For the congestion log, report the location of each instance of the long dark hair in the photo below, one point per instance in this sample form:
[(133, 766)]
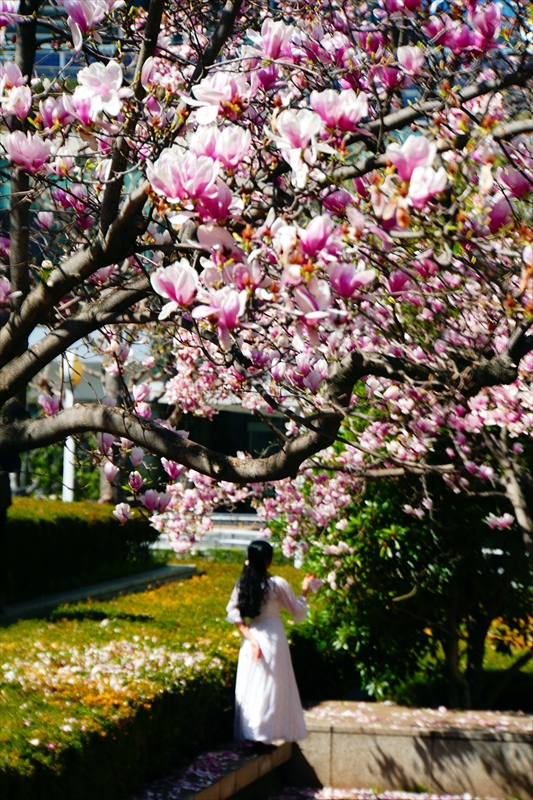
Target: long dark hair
[(253, 583)]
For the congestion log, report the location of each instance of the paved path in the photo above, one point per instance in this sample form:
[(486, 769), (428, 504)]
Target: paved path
[(100, 591)]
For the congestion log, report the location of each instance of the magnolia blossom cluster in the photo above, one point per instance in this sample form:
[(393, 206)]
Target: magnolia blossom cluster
[(192, 502)]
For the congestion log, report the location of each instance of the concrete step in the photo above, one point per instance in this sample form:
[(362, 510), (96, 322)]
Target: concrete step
[(216, 775), (229, 530), (99, 591), (477, 753)]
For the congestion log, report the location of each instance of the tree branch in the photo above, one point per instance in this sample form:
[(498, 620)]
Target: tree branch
[(221, 34), (94, 316), (119, 159), (121, 243)]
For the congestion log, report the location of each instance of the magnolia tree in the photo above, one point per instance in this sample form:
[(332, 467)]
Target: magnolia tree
[(318, 210)]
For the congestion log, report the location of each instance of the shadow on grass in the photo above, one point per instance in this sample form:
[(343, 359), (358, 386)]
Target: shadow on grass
[(80, 614)]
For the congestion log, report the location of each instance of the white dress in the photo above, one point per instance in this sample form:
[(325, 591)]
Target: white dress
[(267, 702)]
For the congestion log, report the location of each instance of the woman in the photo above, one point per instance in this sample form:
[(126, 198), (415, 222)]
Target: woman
[(267, 703)]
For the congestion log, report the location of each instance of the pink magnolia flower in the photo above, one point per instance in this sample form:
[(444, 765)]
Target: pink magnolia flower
[(10, 77), (371, 41), (8, 12), (177, 175), (232, 145), (296, 140), (527, 255), (45, 220), (273, 39), (386, 78), (487, 24), (79, 106), (315, 237), (140, 392), (516, 182), (416, 151), (297, 128), (226, 307), (337, 201), (123, 512), (50, 405), (136, 456), (220, 92), (217, 205), (460, 38), (27, 151), (104, 274), (143, 410), (17, 101), (347, 278), (101, 85), (178, 282), (135, 481), (150, 499), (105, 442), (163, 501), (502, 522), (83, 16), (411, 59), (5, 285), (341, 110), (110, 471), (435, 30), (54, 113), (398, 282), (426, 183), (172, 468), (314, 301), (268, 76), (243, 275), (500, 214)]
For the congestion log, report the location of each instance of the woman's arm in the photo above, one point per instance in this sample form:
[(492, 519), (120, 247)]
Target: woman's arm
[(247, 633)]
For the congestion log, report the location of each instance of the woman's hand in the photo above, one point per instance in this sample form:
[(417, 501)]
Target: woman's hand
[(247, 633), (307, 582)]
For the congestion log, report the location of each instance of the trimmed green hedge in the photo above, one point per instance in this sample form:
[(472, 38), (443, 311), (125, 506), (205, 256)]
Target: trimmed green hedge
[(117, 759), (50, 546)]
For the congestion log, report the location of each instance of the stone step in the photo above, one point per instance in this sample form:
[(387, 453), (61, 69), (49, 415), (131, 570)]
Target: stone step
[(216, 775), (478, 753)]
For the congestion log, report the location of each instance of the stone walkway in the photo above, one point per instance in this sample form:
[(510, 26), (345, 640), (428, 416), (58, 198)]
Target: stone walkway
[(327, 793)]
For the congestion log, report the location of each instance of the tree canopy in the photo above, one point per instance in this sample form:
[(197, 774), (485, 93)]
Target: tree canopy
[(318, 210)]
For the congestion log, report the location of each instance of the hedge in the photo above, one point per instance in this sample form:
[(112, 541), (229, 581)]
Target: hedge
[(105, 695), (50, 546)]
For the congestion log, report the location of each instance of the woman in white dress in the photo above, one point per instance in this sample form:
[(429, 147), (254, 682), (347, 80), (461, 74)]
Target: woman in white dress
[(267, 703)]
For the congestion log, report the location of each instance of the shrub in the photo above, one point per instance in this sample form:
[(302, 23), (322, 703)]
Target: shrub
[(52, 546)]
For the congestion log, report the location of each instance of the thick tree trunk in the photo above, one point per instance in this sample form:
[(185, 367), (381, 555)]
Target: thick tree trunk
[(459, 690), (477, 634), (110, 492), (19, 223)]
